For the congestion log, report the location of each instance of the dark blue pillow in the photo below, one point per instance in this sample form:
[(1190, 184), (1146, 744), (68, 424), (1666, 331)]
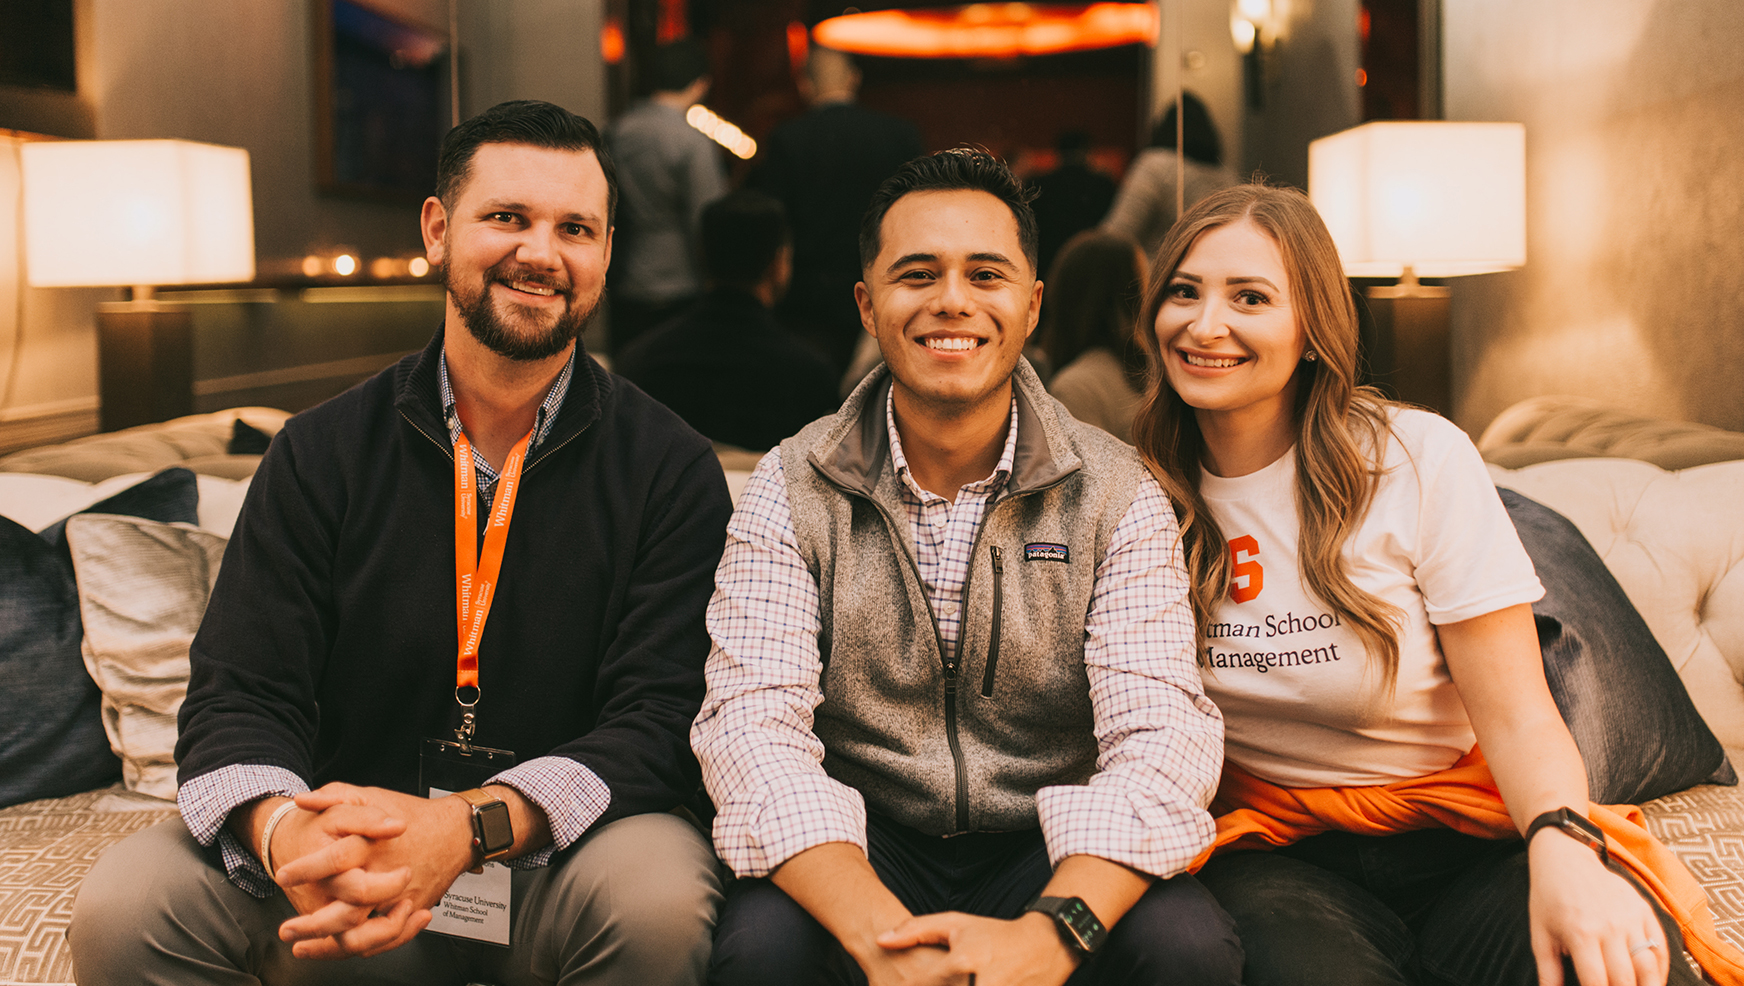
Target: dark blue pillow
[(1631, 717), (51, 728), (170, 497), (246, 439), (51, 732)]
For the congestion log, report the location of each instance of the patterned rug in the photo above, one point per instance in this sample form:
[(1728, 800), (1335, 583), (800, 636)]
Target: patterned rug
[(1705, 827), (46, 848)]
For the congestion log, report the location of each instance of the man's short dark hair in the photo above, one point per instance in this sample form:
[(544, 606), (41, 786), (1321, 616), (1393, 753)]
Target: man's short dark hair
[(958, 169), (741, 234), (520, 121), (679, 63)]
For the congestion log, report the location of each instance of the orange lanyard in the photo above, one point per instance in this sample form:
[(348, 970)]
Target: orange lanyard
[(475, 579)]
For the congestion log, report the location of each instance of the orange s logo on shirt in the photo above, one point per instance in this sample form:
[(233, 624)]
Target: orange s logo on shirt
[(1245, 568)]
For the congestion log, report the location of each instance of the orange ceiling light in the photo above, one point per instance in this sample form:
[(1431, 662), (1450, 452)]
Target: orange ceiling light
[(990, 30)]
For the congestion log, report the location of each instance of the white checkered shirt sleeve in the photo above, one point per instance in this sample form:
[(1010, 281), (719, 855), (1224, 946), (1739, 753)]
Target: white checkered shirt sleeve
[(760, 759), (206, 802), (571, 796), (1161, 739)]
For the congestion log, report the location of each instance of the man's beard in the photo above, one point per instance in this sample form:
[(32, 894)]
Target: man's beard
[(487, 327)]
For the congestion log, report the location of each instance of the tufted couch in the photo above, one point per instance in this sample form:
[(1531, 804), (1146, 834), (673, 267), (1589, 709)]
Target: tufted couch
[(1673, 536), (47, 846), (1671, 533)]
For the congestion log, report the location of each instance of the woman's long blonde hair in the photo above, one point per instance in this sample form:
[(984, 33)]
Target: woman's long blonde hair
[(1342, 428)]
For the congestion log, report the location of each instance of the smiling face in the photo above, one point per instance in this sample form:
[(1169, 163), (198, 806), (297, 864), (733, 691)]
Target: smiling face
[(1227, 329), (950, 298), (524, 248)]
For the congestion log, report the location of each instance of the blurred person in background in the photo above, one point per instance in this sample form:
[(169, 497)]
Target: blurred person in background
[(725, 366), (1088, 315), (1071, 198), (1144, 209), (824, 167), (667, 171)]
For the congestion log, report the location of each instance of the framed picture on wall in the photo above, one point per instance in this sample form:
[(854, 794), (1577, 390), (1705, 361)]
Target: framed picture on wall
[(381, 99)]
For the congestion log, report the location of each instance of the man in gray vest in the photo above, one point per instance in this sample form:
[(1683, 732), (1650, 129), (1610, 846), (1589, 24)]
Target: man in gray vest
[(953, 725)]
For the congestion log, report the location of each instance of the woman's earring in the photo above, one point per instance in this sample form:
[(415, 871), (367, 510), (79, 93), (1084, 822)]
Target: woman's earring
[(1310, 356)]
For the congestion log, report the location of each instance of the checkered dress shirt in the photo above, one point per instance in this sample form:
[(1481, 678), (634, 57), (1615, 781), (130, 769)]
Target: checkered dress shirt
[(1160, 738), (571, 795)]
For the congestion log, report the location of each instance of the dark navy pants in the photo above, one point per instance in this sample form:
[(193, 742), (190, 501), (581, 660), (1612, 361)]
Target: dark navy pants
[(1433, 908), (1176, 934)]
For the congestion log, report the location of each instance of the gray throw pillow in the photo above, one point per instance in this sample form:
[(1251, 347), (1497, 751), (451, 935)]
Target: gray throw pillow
[(1631, 717)]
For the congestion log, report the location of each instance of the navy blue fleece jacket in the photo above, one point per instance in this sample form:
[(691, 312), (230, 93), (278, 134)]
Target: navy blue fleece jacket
[(329, 644)]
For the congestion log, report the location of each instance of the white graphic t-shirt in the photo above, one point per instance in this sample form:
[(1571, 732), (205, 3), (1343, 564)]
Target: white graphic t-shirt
[(1303, 705)]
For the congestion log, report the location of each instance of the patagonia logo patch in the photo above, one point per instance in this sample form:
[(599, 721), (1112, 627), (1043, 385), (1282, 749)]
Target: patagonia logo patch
[(1042, 551)]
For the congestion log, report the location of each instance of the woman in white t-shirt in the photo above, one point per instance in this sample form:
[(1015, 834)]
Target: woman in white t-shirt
[(1364, 619)]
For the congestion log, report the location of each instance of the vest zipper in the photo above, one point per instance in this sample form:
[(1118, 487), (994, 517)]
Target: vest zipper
[(993, 637), (956, 745), (950, 660)]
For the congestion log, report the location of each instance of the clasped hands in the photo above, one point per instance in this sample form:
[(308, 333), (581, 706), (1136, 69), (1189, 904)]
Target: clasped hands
[(958, 949), (363, 866)]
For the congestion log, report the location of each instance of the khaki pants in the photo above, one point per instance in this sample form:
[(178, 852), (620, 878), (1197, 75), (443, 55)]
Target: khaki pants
[(632, 903)]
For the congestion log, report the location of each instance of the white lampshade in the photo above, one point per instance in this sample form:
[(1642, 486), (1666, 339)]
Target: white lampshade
[(136, 212), (1443, 198)]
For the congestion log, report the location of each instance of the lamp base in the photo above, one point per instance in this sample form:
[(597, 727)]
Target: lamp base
[(1411, 356), (145, 363)]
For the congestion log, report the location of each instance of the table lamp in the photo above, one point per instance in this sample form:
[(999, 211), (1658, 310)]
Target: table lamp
[(139, 213), (1412, 199)]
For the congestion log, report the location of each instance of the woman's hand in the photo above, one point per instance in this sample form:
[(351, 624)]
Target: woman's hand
[(1584, 911)]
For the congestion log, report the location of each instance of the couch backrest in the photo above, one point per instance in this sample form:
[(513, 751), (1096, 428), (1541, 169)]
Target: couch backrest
[(199, 442), (1540, 429), (1675, 542)]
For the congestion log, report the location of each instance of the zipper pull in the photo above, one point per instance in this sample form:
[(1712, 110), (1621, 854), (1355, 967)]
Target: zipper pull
[(998, 561), (950, 677)]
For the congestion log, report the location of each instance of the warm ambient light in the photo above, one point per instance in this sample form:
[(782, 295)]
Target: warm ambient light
[(418, 267), (721, 132), (612, 43), (990, 30), (345, 265), (1257, 11), (1244, 32), (798, 46), (137, 212), (1440, 199)]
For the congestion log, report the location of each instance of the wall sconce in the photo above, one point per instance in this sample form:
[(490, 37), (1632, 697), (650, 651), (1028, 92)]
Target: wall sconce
[(1254, 26), (1410, 198), (143, 213)]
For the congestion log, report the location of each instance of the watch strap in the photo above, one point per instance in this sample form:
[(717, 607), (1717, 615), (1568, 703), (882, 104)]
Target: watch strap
[(1574, 825)]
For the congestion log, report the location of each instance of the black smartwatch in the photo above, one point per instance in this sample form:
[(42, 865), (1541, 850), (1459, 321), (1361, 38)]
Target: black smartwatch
[(492, 835), (1574, 825), (1077, 923)]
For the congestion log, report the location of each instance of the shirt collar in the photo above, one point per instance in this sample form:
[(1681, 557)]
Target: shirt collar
[(543, 418), (899, 462)]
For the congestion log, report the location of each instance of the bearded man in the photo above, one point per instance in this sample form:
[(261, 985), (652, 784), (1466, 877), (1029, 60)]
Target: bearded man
[(583, 522)]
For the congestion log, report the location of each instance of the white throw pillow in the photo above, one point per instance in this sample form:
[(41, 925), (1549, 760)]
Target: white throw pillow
[(143, 588)]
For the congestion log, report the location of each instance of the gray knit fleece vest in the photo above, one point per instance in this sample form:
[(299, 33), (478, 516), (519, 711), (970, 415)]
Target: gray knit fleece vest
[(957, 742)]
